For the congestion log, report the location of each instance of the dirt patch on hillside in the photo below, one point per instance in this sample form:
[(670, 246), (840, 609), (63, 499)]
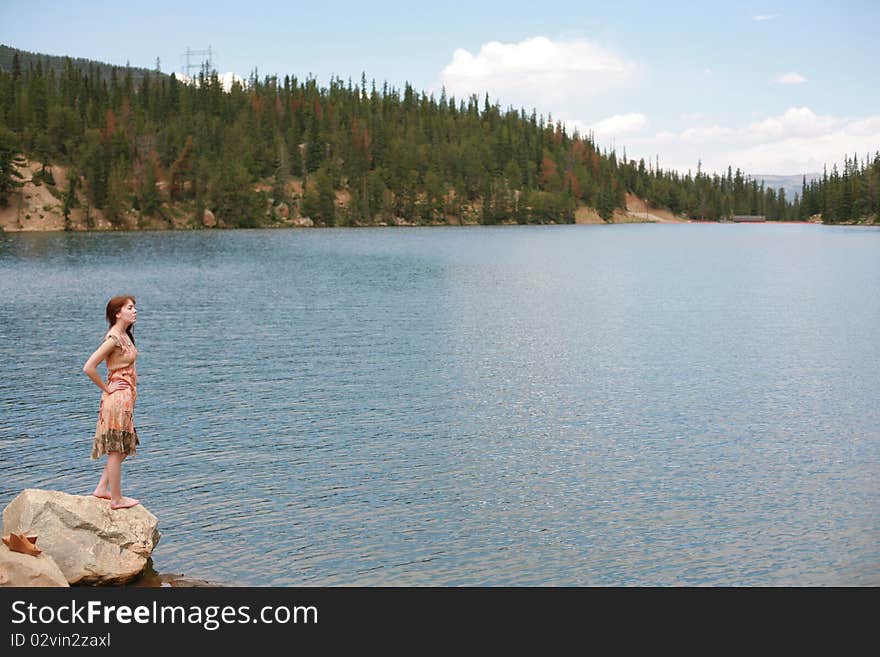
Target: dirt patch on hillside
[(587, 215), (37, 206), (33, 207), (639, 210), (626, 217), (294, 188)]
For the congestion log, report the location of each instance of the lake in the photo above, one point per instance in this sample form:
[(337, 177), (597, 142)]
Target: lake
[(521, 405)]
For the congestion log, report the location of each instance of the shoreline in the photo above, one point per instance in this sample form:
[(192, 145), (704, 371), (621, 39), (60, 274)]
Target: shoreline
[(37, 208), (78, 231)]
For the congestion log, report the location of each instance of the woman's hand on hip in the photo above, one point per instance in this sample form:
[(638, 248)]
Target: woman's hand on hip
[(117, 385)]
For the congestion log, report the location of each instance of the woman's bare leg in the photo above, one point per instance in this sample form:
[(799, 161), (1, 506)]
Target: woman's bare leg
[(101, 490), (114, 476)]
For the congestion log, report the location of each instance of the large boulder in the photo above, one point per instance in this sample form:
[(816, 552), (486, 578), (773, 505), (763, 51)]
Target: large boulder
[(17, 569), (208, 219), (303, 222), (91, 543)]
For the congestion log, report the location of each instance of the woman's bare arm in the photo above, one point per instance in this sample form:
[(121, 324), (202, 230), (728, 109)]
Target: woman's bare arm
[(91, 366)]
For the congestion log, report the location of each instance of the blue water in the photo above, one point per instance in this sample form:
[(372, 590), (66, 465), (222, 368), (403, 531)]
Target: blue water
[(556, 405)]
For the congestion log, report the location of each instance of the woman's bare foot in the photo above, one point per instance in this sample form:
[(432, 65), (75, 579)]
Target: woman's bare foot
[(103, 493), (124, 503)]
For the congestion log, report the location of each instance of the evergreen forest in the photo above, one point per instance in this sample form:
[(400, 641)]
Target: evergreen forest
[(349, 153)]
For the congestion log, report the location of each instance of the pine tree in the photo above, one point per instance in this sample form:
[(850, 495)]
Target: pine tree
[(326, 198), (117, 197), (9, 163), (149, 200), (70, 200), (231, 197), (311, 203), (314, 143)]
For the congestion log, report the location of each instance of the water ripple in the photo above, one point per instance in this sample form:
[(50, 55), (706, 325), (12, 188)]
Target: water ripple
[(571, 405)]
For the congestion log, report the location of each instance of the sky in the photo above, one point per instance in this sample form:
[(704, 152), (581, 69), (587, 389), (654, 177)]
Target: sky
[(770, 87)]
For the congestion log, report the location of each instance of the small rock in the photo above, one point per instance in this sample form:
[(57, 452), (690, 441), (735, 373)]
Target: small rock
[(304, 222), (208, 219), (17, 569)]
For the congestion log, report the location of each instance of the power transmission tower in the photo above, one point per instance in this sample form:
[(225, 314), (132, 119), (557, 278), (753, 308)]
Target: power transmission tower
[(206, 64)]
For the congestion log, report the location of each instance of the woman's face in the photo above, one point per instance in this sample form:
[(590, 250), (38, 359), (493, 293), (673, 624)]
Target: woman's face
[(128, 313)]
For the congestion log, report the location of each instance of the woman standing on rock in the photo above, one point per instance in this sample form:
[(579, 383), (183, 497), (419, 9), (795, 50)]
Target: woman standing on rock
[(115, 434)]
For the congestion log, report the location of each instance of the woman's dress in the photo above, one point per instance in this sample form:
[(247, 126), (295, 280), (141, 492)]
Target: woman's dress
[(115, 431)]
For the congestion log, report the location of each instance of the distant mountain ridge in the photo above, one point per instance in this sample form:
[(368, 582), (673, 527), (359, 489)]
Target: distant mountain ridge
[(791, 184)]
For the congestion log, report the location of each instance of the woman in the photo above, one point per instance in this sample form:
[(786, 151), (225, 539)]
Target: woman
[(115, 434)]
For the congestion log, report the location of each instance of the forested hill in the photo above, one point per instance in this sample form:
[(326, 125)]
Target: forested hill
[(349, 153), (57, 64)]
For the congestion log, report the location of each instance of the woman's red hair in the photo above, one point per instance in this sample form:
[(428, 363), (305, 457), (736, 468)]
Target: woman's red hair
[(114, 306)]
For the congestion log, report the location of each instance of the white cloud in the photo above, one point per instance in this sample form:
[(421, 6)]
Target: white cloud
[(226, 79), (864, 127), (797, 141), (791, 78), (709, 133), (764, 17), (537, 72), (619, 125), (796, 122), (574, 78)]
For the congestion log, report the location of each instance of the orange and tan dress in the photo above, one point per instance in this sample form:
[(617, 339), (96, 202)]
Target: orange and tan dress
[(115, 431)]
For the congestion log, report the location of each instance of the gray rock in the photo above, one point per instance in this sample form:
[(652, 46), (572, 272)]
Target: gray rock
[(91, 543), (17, 569)]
